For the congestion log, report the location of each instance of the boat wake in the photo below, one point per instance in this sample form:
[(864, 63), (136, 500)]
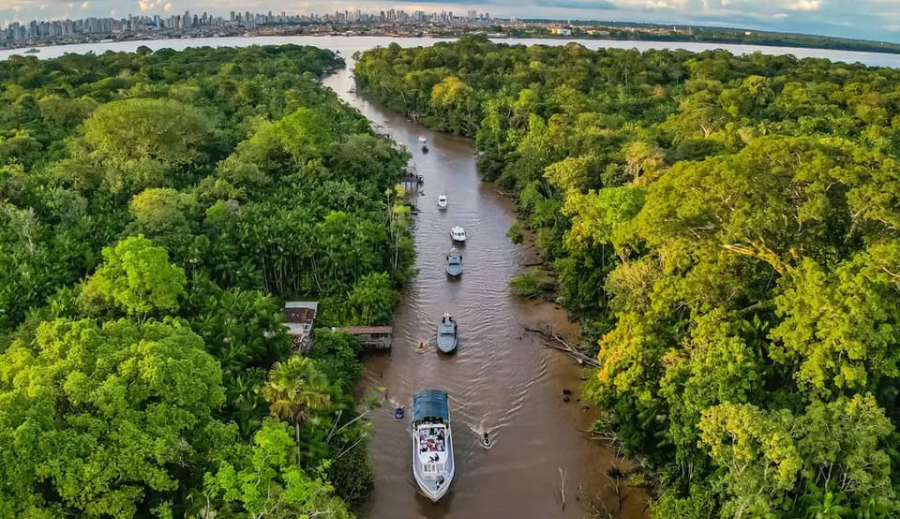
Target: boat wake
[(485, 438)]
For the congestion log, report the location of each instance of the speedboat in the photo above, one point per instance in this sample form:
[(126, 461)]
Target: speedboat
[(446, 334), (423, 139), (454, 263), (442, 202), (433, 465), (458, 234)]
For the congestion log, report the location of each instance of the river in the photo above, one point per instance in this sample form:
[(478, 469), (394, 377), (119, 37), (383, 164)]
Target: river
[(502, 380), (347, 45)]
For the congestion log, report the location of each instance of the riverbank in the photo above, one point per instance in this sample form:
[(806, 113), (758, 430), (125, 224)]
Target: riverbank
[(503, 380), (525, 29), (348, 45), (672, 192)]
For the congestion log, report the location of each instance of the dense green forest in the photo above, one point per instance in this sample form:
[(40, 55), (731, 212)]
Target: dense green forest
[(156, 208), (728, 230)]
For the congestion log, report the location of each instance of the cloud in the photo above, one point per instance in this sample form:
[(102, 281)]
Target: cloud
[(576, 4), (149, 5), (85, 5), (805, 5), (168, 6)]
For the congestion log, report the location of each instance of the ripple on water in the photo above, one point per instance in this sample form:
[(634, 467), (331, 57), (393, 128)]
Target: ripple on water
[(499, 381)]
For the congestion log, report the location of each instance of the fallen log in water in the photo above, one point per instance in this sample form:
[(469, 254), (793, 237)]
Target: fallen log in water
[(563, 345)]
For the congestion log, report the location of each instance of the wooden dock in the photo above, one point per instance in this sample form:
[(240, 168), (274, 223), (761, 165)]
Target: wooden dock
[(412, 182)]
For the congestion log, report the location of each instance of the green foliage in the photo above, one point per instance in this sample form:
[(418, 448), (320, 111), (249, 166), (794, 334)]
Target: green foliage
[(161, 130), (269, 484), (101, 421), (337, 356), (187, 194), (136, 278), (728, 227), (372, 300), (516, 232), (531, 284)]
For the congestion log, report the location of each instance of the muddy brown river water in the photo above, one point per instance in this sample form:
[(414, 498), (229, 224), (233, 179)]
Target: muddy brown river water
[(501, 381)]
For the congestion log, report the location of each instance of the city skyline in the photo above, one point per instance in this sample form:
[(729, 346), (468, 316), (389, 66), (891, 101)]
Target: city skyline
[(863, 19), (207, 23)]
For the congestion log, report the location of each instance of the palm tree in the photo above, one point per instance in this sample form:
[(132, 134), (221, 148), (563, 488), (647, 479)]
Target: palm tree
[(294, 389)]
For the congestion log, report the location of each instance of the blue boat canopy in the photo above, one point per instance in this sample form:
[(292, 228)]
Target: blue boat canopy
[(430, 403)]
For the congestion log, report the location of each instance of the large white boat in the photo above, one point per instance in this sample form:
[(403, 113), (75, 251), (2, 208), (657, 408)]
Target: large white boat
[(458, 234), (433, 465)]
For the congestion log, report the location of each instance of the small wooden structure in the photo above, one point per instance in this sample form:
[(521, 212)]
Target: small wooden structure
[(412, 180), (375, 337), (299, 317)]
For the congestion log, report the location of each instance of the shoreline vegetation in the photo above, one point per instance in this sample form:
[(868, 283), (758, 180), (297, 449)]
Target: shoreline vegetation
[(540, 29), (156, 210), (727, 231)]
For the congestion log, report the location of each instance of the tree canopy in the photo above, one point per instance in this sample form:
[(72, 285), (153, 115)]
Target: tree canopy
[(726, 227), (156, 210)]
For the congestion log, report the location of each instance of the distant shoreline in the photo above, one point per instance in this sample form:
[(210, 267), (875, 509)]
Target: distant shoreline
[(704, 36)]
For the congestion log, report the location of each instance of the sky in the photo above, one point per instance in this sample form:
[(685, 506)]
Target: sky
[(864, 19)]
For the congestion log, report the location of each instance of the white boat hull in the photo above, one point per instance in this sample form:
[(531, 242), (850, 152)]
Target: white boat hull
[(433, 477), (429, 487)]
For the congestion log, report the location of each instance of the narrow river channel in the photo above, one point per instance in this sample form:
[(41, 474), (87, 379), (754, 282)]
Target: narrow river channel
[(502, 380)]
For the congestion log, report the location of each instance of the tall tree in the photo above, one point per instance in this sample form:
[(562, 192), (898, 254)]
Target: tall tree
[(294, 390)]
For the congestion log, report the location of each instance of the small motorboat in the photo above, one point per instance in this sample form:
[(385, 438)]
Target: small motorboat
[(433, 465), (446, 334), (454, 263), (442, 202), (423, 139), (32, 51), (424, 149), (486, 441), (399, 413), (458, 234)]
